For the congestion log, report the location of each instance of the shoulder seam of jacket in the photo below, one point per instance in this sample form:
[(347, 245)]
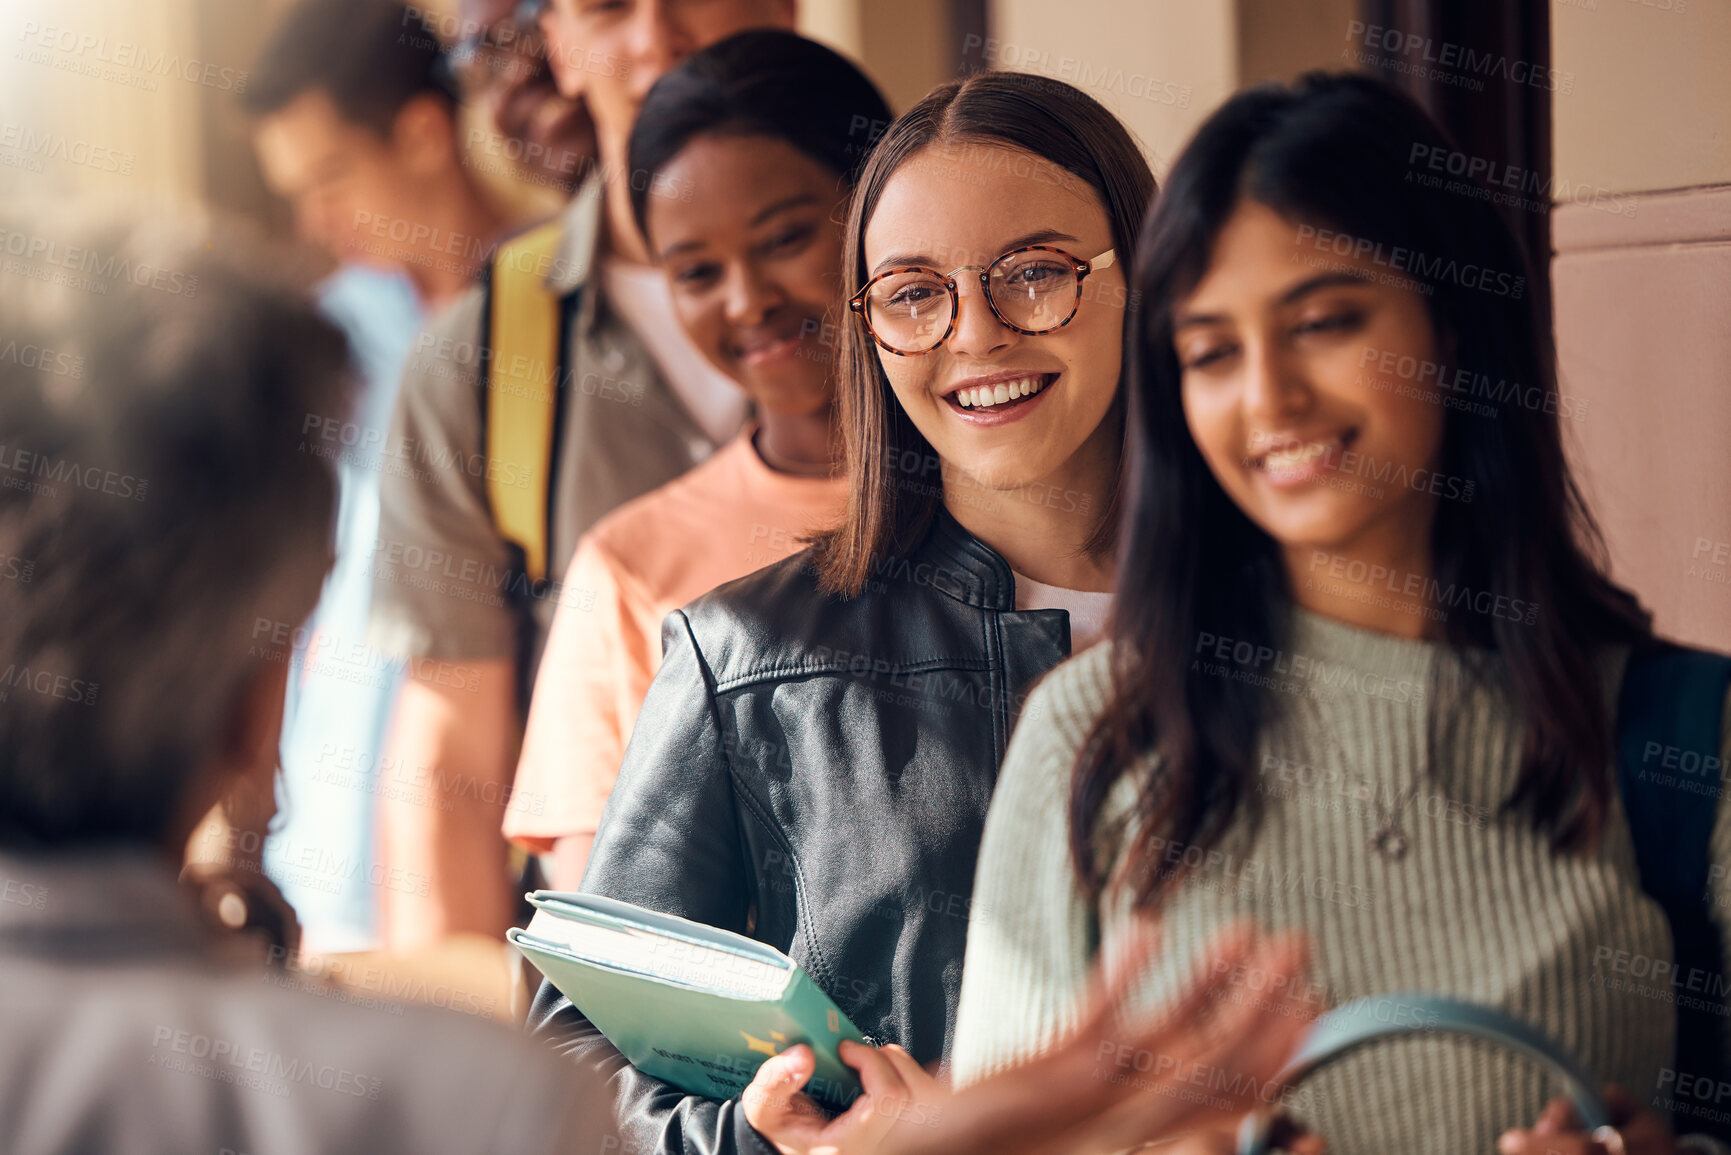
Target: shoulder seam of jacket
[(808, 669)]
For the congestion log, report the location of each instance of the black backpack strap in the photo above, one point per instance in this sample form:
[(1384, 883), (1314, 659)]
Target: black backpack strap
[(1670, 776)]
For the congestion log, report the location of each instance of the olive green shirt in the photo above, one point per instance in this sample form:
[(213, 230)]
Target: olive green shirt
[(444, 587)]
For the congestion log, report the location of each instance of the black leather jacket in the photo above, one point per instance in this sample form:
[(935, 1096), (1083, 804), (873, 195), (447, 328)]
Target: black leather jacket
[(814, 772)]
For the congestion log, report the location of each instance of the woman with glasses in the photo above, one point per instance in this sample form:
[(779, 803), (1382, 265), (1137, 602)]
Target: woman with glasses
[(813, 762), (1367, 673)]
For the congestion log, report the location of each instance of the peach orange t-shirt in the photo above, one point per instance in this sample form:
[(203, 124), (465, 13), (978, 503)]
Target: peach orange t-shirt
[(725, 518)]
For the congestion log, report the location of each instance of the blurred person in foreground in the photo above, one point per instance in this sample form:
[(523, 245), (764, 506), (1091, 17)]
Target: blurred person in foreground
[(628, 403), (355, 123), (163, 505)]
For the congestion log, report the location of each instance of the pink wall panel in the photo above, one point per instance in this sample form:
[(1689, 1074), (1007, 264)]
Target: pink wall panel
[(1643, 309)]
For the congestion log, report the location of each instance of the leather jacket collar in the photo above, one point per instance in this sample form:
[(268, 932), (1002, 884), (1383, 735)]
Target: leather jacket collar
[(975, 574)]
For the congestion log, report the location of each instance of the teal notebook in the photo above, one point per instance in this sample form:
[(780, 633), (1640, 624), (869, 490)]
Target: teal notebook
[(697, 1006)]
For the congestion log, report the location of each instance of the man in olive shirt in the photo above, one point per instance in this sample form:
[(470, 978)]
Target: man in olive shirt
[(640, 405)]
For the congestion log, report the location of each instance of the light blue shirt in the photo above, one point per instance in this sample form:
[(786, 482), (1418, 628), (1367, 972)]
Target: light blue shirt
[(341, 691)]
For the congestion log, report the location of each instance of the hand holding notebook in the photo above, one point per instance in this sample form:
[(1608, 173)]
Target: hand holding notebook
[(704, 1008), (700, 1007)]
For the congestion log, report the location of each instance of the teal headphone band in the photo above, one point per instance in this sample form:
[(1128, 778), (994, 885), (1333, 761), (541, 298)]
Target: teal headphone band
[(1352, 1025)]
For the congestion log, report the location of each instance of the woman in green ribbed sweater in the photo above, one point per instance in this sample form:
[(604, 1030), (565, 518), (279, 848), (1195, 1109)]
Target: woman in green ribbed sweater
[(1361, 677)]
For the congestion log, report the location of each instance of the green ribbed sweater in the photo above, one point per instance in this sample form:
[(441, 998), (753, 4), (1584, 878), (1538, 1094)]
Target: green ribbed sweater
[(1479, 908)]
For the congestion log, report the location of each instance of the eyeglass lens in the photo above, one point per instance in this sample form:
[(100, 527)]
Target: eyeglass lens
[(1034, 291)]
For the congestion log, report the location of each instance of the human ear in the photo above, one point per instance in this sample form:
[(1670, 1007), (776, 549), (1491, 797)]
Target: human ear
[(423, 135)]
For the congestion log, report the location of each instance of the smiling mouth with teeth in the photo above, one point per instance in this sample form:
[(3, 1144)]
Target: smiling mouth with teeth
[(986, 396), (1293, 456)]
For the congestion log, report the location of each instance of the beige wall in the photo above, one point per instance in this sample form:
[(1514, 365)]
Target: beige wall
[(835, 22), (92, 103), (905, 46), (1160, 65), (1642, 278), (1278, 39), (1163, 65), (908, 46), (1648, 100)]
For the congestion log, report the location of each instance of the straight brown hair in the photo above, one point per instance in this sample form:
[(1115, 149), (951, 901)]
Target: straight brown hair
[(896, 486)]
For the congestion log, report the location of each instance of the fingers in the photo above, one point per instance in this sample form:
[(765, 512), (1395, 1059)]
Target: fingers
[(1202, 1143), (1557, 1118), (920, 1101), (1127, 958), (1247, 1032), (1287, 1134), (1559, 1129), (895, 1089), (1253, 1024), (885, 1098), (774, 1105), (1642, 1128), (1107, 1086), (1257, 1030), (791, 1069), (879, 1072), (1114, 984), (1619, 1102), (919, 1081), (1530, 1142), (1228, 950)]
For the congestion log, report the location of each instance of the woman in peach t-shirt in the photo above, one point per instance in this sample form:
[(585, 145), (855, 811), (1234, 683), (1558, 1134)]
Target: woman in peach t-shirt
[(754, 263)]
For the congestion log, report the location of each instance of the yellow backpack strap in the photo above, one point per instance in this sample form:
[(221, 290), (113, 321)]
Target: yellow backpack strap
[(523, 331)]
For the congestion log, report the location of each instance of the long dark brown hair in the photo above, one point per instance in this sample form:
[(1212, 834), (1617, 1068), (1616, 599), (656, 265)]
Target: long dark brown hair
[(894, 489), (1333, 151)]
